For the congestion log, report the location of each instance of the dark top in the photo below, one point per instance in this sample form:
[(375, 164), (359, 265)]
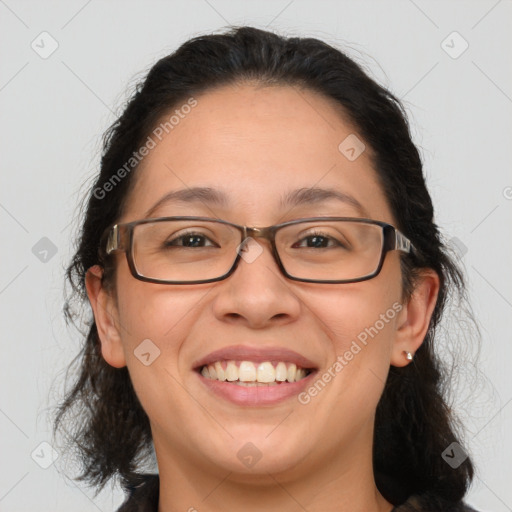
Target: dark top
[(144, 498)]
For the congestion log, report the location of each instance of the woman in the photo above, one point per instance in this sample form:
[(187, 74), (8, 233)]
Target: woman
[(289, 368)]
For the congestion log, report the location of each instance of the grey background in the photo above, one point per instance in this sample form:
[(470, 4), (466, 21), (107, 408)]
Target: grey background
[(54, 111)]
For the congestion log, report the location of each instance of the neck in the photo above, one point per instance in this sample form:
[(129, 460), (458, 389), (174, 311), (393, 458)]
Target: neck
[(341, 483)]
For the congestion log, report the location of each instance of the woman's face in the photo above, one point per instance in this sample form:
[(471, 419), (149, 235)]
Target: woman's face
[(256, 145)]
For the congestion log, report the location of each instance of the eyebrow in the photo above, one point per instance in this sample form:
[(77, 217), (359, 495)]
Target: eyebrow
[(206, 195), (315, 195), (298, 197)]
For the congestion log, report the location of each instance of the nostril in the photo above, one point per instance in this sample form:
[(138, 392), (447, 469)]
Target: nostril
[(233, 315)]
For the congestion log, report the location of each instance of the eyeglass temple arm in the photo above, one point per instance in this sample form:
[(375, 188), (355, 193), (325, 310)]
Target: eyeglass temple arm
[(115, 240), (402, 243)]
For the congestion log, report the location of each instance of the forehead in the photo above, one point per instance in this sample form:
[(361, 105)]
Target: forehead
[(257, 146)]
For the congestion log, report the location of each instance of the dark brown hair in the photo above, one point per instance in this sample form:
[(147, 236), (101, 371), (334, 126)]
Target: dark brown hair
[(414, 423)]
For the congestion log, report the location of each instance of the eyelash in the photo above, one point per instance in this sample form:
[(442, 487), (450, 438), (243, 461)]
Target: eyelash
[(321, 235), (172, 242)]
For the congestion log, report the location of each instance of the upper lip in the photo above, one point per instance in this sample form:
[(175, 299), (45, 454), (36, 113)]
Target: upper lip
[(256, 354)]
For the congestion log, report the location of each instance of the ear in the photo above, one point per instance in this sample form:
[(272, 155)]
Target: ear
[(413, 320), (106, 317)]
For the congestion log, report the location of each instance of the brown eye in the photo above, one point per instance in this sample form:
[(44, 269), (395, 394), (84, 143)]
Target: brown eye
[(189, 240)]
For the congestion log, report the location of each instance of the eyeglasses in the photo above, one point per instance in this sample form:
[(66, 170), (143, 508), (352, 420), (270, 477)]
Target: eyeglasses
[(193, 250)]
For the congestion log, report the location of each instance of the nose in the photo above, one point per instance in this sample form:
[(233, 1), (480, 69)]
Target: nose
[(257, 294)]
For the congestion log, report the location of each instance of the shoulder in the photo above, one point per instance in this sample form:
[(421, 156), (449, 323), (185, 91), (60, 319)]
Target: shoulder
[(429, 503), (143, 497)]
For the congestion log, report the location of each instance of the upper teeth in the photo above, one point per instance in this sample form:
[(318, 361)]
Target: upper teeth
[(247, 371)]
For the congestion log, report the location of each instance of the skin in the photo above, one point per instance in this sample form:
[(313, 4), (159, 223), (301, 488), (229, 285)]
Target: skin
[(254, 144)]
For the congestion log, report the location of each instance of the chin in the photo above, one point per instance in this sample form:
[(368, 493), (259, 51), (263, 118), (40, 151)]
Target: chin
[(254, 452)]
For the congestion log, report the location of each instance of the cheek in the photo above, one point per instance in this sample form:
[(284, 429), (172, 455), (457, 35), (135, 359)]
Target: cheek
[(349, 314), (156, 322), (153, 311), (359, 322)]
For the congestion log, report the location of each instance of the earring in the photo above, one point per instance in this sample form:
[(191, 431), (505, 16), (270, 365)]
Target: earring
[(408, 355)]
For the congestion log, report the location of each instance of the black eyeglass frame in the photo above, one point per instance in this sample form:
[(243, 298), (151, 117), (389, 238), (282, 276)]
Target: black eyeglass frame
[(120, 239)]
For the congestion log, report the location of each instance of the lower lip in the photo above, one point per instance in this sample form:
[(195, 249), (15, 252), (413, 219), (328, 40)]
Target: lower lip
[(256, 395)]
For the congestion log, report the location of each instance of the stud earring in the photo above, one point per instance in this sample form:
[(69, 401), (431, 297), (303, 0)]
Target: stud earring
[(408, 355)]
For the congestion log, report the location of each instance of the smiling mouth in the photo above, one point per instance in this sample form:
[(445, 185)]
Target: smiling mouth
[(248, 373)]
